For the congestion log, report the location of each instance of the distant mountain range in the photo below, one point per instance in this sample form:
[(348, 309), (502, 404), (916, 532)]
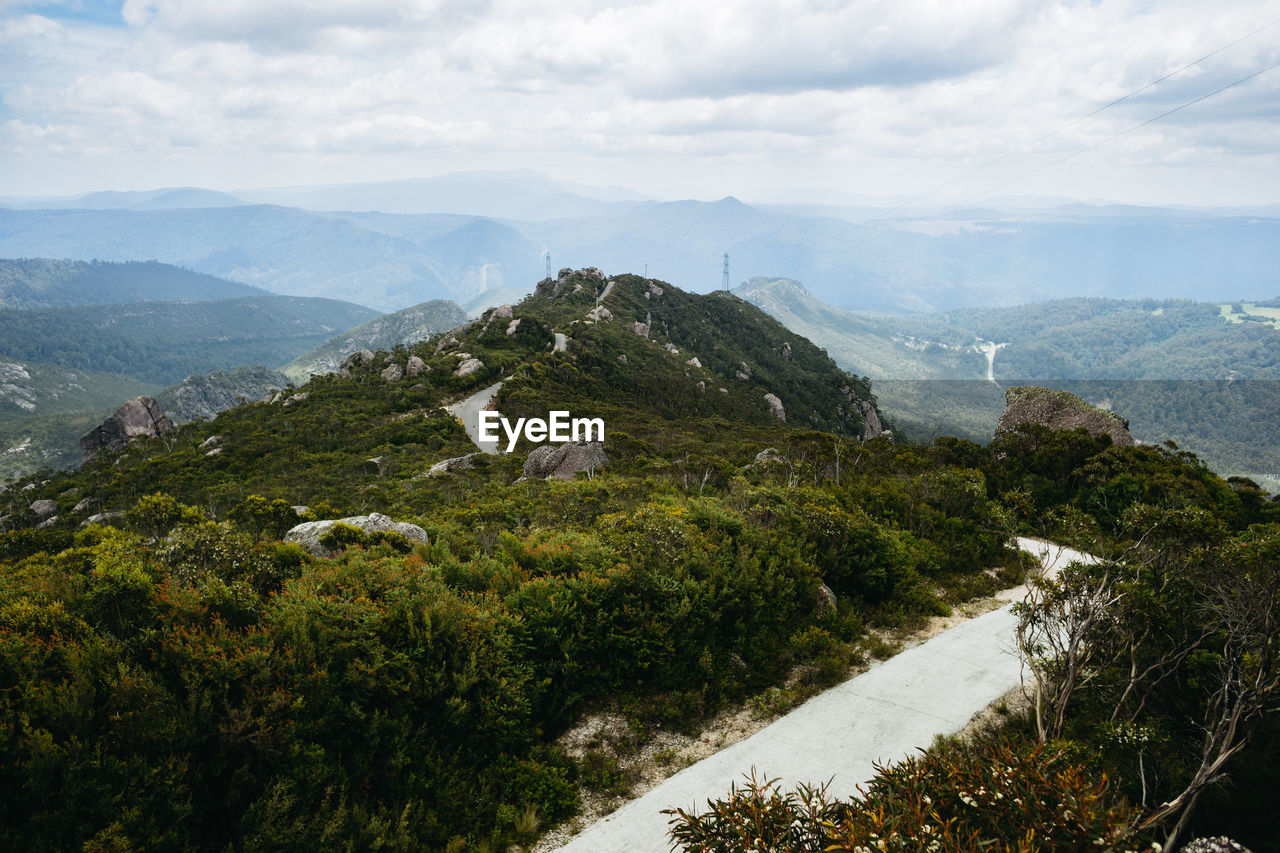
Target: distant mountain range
[(1206, 375), (400, 243), (43, 283), (401, 328)]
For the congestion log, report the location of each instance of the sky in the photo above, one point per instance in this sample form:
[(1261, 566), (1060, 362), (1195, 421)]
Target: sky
[(671, 98)]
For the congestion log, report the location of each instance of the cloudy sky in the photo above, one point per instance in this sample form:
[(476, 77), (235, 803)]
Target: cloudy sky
[(675, 98)]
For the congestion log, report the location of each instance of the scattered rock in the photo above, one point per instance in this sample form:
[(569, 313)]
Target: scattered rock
[(203, 396), (769, 454), (653, 290), (47, 523), (295, 399), (775, 406), (502, 312), (448, 466), (392, 373), (738, 374), (468, 367), (354, 360), (724, 390), (1059, 410), (138, 418), (215, 452), (415, 366), (44, 507), (445, 343), (671, 348), (565, 461), (641, 329), (871, 421), (786, 350), (702, 386), (512, 326), (693, 362), (84, 505), (103, 517), (308, 533), (600, 314), (623, 358), (825, 603), (211, 441)]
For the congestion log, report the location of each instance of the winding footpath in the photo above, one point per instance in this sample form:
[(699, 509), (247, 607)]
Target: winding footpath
[(468, 411), (882, 715)]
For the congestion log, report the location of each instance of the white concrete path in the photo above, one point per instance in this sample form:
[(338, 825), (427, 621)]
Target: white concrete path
[(468, 411), (884, 714)]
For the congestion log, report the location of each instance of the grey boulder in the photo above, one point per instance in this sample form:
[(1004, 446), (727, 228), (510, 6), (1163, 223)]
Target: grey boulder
[(308, 533)]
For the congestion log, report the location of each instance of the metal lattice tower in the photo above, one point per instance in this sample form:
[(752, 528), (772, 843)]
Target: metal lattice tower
[(725, 281), (547, 254)]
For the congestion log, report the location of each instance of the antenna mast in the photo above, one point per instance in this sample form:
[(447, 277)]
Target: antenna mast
[(725, 281), (546, 253)]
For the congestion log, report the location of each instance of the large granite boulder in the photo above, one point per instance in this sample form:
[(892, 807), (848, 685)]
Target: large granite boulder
[(565, 461), (775, 406), (1059, 410), (448, 466), (139, 418), (308, 533)]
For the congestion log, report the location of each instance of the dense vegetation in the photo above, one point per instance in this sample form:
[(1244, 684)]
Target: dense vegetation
[(164, 342), (44, 409), (29, 283), (185, 680), (1176, 369)]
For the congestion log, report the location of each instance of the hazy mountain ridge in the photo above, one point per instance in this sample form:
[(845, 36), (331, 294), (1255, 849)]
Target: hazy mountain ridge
[(164, 342), (203, 396), (27, 283), (870, 262), (401, 328), (1177, 369)]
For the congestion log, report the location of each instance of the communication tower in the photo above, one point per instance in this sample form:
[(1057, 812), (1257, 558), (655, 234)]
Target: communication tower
[(724, 283), (546, 253)]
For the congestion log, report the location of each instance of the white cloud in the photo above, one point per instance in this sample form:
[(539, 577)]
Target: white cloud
[(865, 95)]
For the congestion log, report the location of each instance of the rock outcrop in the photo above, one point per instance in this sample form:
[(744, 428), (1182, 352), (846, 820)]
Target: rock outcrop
[(308, 533), (1059, 410), (204, 396), (139, 418), (448, 466), (44, 508), (354, 360), (565, 461), (775, 406), (872, 427), (468, 366)]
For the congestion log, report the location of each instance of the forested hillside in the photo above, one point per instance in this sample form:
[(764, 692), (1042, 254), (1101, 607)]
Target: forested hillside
[(223, 689), (164, 342), (42, 283), (1201, 374)]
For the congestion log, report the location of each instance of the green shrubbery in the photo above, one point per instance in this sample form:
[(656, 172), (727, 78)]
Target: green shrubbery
[(953, 799)]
